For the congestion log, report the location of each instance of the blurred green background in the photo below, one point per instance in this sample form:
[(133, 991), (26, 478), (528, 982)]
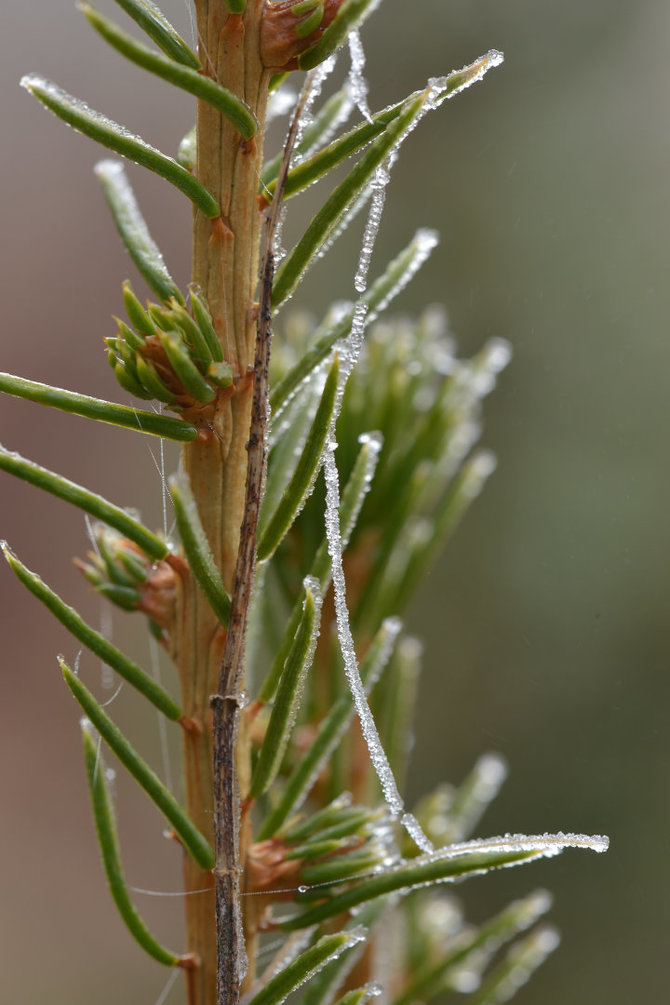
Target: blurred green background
[(546, 622)]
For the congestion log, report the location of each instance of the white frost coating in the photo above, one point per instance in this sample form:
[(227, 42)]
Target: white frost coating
[(498, 354), (310, 584), (378, 757), (545, 941), (357, 81), (523, 958), (482, 465), (354, 937), (349, 351), (290, 440), (414, 829), (491, 772), (374, 440), (458, 446), (380, 181), (478, 378), (538, 845), (440, 913), (350, 214), (33, 82), (327, 134), (392, 627), (317, 78), (299, 399), (538, 903), (290, 949), (411, 648), (368, 727), (425, 241), (476, 71), (319, 75), (464, 981), (414, 538), (114, 171), (544, 844)]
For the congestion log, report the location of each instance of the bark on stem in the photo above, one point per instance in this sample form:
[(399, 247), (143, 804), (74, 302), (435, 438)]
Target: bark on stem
[(226, 707), (225, 267), (232, 49)]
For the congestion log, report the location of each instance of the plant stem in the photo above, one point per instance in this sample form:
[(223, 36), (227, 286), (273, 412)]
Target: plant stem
[(228, 826), (225, 267)]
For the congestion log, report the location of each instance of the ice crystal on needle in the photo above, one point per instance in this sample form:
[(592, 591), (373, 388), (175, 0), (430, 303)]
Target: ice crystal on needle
[(357, 81), (378, 757)]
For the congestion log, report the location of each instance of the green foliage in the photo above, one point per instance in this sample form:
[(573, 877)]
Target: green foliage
[(164, 426), (189, 835), (185, 77), (92, 639), (405, 414), (103, 814), (197, 549)]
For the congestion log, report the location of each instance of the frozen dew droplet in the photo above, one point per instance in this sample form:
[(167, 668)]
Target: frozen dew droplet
[(498, 354), (545, 845), (357, 81), (114, 170), (492, 770), (358, 934), (379, 184), (318, 77), (411, 648), (378, 756), (471, 74), (538, 903), (290, 949), (413, 828), (339, 120), (465, 981), (369, 729), (427, 239), (424, 242), (374, 440), (548, 939), (480, 467), (34, 82), (350, 214), (442, 914), (344, 800)]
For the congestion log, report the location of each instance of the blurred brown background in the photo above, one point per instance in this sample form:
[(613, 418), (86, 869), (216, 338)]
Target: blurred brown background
[(546, 622)]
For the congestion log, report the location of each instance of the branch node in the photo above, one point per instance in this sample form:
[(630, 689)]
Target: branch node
[(189, 961), (190, 725)]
